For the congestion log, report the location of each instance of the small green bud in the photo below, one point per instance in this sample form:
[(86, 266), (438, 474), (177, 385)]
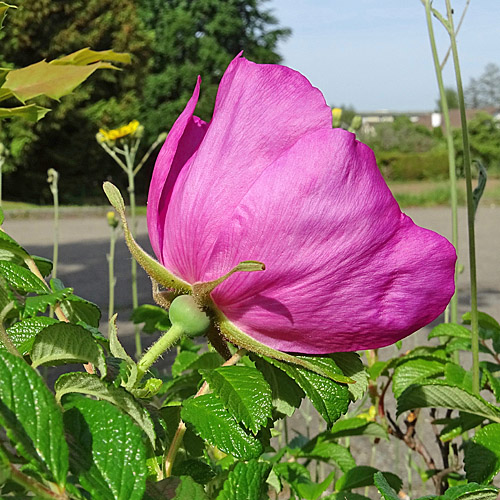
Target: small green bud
[(185, 313), (112, 219), (356, 123)]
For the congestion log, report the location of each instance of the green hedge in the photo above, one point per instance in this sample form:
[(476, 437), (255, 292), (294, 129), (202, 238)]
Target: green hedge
[(397, 166)]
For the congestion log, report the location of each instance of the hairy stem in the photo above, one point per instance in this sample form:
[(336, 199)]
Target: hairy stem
[(169, 338)]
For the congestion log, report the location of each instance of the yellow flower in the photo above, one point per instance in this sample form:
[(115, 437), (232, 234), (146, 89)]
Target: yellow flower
[(118, 133)]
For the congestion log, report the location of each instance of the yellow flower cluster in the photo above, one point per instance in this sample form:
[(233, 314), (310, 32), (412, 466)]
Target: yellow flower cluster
[(118, 133)]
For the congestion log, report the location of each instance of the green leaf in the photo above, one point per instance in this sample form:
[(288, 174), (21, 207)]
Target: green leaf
[(3, 11), (84, 383), (286, 394), (488, 326), (23, 333), (489, 369), (189, 360), (21, 279), (456, 426), (457, 376), (345, 495), (154, 318), (32, 419), (470, 491), (247, 481), (328, 397), (107, 451), (207, 416), (30, 112), (384, 487), (244, 392), (321, 448), (450, 330), (39, 303), (11, 250), (65, 343), (414, 371), (118, 351), (351, 365), (78, 310), (86, 56), (200, 471), (188, 489), (482, 454), (356, 427), (44, 265), (447, 396), (362, 475)]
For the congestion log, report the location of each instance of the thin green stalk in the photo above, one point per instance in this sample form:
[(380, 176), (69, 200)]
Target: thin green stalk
[(53, 179), (113, 223), (168, 339), (34, 486), (451, 154), (133, 228), (470, 204)]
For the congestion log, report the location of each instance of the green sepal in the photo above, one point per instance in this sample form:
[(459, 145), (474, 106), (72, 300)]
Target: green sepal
[(241, 339), (154, 269)]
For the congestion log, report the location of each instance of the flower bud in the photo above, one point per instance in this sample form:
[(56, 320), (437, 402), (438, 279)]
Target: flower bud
[(185, 312)]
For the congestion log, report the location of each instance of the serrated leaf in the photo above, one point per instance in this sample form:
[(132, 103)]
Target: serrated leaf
[(286, 394), (351, 365), (450, 330), (488, 325), (39, 303), (86, 56), (456, 426), (11, 250), (457, 376), (362, 475), (44, 265), (30, 112), (84, 383), (321, 448), (189, 360), (78, 310), (32, 419), (189, 489), (21, 279), (356, 427), (107, 451), (151, 387), (482, 454), (447, 396), (247, 481), (470, 491), (200, 471), (414, 371), (64, 343), (329, 398), (23, 333), (384, 487), (244, 392), (207, 416), (489, 369)]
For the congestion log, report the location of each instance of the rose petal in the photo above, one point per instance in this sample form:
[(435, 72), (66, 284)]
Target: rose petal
[(260, 112), (182, 141), (345, 269)]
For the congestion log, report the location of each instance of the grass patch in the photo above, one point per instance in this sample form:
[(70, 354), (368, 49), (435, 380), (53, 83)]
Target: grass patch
[(436, 193)]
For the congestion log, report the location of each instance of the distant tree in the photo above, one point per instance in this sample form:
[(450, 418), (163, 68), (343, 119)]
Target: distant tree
[(451, 99), (401, 136), (484, 138), (200, 37), (484, 91), (65, 139)]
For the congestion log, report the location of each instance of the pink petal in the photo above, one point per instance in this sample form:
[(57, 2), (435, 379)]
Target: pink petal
[(260, 112), (182, 141), (345, 269)]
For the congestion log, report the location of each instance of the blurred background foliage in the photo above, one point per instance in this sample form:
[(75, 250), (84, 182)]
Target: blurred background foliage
[(171, 43)]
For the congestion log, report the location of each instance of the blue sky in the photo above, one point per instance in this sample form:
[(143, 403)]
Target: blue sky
[(375, 54)]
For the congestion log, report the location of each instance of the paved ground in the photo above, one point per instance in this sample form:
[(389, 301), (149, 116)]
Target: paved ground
[(84, 242)]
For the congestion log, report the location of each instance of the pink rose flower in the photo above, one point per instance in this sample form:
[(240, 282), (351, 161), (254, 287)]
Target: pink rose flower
[(268, 179)]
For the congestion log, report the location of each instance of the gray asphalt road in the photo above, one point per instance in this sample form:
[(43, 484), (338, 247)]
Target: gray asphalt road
[(84, 242)]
